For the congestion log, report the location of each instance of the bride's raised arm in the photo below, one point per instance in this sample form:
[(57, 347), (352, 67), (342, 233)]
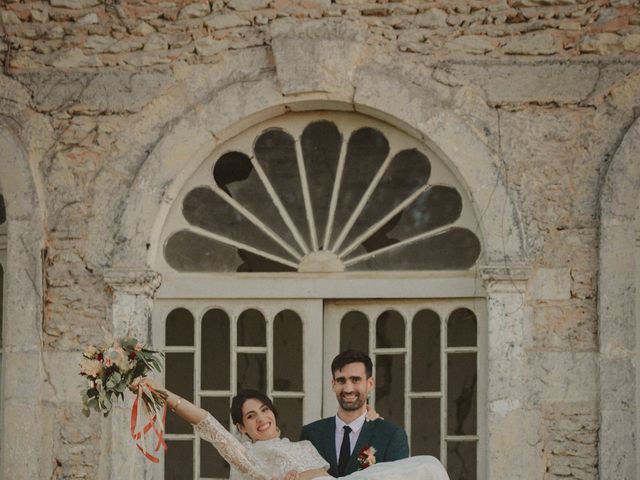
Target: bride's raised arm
[(210, 430)]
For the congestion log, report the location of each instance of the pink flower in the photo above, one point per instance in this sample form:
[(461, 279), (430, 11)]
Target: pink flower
[(91, 368)]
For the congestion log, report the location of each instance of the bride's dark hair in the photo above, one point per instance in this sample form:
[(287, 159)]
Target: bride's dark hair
[(243, 396)]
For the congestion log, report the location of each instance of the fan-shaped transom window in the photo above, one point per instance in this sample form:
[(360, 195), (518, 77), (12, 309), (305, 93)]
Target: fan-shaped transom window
[(321, 193)]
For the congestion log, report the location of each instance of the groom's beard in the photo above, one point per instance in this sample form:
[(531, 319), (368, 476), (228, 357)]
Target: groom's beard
[(350, 405)]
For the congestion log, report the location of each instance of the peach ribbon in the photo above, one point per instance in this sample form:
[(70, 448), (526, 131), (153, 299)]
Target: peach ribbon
[(153, 424)]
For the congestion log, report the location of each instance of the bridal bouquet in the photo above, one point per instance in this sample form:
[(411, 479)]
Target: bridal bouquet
[(110, 371)]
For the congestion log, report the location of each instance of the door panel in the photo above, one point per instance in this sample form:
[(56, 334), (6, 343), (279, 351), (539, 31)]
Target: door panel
[(426, 357), (214, 348)]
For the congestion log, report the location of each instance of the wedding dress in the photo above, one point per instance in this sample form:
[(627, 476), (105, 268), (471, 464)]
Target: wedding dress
[(266, 459)]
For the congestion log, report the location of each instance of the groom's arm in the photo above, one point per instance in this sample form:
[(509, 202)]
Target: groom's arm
[(398, 446)]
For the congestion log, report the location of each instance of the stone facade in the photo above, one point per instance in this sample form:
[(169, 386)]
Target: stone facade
[(104, 103)]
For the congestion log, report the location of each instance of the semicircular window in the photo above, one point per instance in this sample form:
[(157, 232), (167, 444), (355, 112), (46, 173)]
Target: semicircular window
[(322, 195)]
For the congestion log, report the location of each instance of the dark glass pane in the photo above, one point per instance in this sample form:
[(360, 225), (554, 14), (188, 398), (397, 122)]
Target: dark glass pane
[(179, 379), (354, 332), (409, 171), (179, 328), (189, 252), (425, 426), (216, 348), (3, 211), (366, 151), (252, 329), (462, 328), (389, 376), (252, 371), (212, 465), (390, 330), (204, 208), (462, 394), (425, 352), (462, 460), (287, 351), (178, 461), (321, 142), (290, 417), (437, 207), (234, 173), (454, 249), (276, 152), (252, 262)]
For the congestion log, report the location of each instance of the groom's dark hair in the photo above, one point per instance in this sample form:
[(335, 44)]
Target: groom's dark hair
[(351, 356)]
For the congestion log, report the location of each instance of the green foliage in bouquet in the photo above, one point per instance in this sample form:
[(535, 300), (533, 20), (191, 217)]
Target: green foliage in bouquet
[(110, 371)]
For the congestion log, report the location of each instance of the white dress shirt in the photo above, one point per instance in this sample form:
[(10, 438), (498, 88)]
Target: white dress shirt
[(356, 427)]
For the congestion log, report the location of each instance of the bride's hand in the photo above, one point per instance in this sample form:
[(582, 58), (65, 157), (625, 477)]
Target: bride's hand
[(291, 475), (372, 414), (145, 381)]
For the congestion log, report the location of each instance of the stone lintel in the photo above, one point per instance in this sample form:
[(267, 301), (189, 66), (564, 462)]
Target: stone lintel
[(505, 278), (135, 281), (317, 56)]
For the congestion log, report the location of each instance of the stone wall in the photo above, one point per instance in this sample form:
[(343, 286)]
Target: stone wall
[(551, 87), (94, 33)]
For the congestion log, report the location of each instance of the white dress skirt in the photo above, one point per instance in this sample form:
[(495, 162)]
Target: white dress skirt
[(267, 459)]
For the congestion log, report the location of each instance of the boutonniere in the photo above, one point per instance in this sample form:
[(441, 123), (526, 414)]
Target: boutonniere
[(366, 457)]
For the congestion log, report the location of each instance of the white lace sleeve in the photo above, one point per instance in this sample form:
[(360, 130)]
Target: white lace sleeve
[(230, 448)]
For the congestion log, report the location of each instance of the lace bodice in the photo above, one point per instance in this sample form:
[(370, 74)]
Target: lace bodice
[(260, 460)]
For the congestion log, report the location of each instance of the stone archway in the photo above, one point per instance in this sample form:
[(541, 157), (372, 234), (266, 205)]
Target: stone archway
[(619, 325), (320, 67), (24, 378)]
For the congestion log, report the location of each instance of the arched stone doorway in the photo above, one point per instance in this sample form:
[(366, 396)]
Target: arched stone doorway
[(618, 313), (22, 411), (425, 115)]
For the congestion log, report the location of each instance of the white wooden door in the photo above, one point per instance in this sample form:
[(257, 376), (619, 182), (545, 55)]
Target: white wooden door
[(427, 356), (216, 347)]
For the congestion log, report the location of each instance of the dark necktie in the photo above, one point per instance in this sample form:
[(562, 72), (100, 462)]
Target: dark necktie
[(345, 451)]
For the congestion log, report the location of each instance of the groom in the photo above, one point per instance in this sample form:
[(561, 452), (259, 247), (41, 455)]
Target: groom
[(341, 439)]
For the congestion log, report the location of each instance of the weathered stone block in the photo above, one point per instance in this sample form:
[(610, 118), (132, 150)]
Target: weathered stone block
[(76, 4), (619, 375), (602, 43), (76, 58), (432, 18), (574, 381), (210, 46), (550, 284), (330, 51), (245, 5), (156, 42), (89, 19), (9, 17), (219, 21), (559, 82), (545, 43), (473, 44), (195, 10), (143, 29)]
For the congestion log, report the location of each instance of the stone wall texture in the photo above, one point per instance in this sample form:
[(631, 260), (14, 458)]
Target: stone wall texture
[(551, 86)]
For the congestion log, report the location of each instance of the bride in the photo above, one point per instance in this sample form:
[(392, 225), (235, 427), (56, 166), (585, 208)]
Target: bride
[(267, 456)]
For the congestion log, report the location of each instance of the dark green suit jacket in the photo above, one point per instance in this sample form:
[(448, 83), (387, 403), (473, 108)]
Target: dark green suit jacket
[(389, 440)]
